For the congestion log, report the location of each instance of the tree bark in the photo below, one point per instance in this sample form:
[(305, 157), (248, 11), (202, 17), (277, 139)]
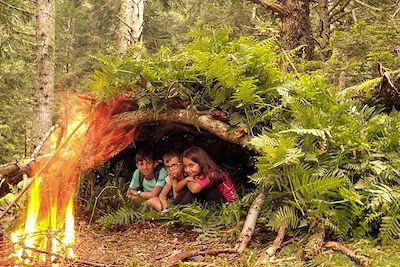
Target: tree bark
[(385, 90), (314, 244), (296, 27), (131, 24), (207, 122), (44, 97)]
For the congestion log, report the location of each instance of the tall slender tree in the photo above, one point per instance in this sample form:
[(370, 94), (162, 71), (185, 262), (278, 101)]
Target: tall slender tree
[(44, 97), (131, 23)]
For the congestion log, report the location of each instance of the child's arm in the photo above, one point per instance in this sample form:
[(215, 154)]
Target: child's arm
[(163, 195), (132, 192), (156, 191), (195, 186), (181, 184)]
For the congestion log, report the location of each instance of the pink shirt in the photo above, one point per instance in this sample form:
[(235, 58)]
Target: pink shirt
[(226, 188)]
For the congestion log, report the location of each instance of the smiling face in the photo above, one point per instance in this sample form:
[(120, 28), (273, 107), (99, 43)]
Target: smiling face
[(191, 168), (146, 167), (174, 167)]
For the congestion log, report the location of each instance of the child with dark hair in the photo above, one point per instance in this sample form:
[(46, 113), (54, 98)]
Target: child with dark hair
[(205, 180), (149, 179), (174, 166)]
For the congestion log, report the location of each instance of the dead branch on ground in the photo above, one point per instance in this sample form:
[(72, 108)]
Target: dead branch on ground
[(189, 254), (360, 259), (278, 241)]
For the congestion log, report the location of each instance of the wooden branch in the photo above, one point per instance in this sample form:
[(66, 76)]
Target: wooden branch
[(17, 8), (340, 10), (207, 122), (368, 6), (278, 241), (13, 171), (48, 162), (360, 259), (64, 257), (189, 254), (314, 244), (250, 223), (274, 7)]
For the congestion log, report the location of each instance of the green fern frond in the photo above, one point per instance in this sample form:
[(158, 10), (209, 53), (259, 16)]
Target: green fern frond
[(390, 228), (123, 216), (284, 215)]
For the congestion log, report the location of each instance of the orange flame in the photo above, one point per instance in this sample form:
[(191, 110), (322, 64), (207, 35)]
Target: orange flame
[(87, 138)]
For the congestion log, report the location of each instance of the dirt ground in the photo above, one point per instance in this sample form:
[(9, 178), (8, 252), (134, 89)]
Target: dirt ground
[(141, 244), (154, 244)]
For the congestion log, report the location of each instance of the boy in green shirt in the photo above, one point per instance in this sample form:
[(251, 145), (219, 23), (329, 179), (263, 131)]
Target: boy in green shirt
[(149, 179)]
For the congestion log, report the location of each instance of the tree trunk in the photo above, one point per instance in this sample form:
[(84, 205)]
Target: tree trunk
[(296, 28), (44, 98), (131, 24), (384, 90)]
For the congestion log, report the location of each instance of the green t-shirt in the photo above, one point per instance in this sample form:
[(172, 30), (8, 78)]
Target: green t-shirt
[(148, 185)]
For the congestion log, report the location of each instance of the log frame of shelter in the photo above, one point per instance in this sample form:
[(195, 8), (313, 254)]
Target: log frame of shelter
[(218, 128)]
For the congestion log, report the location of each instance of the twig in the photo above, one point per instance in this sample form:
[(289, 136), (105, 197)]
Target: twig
[(95, 202), (189, 254), (17, 8), (366, 5), (363, 260), (64, 257), (28, 185)]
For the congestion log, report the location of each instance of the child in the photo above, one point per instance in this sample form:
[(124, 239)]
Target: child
[(205, 180), (148, 180), (175, 174)]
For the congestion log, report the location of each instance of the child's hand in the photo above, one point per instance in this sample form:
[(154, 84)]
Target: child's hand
[(190, 179)]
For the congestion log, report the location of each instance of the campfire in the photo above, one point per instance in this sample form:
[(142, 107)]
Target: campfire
[(85, 138)]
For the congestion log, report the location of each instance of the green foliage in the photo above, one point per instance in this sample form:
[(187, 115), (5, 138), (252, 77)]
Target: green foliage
[(334, 162), (238, 76)]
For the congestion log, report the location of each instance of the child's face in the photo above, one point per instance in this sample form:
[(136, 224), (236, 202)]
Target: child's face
[(174, 167), (191, 168), (146, 167)]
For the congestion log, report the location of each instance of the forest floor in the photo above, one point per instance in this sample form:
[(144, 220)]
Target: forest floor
[(156, 244)]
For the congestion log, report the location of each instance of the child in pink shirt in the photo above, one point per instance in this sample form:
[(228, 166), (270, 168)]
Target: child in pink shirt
[(205, 180)]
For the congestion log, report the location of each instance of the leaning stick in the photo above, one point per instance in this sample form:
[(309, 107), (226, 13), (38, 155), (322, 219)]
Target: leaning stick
[(26, 187), (250, 223)]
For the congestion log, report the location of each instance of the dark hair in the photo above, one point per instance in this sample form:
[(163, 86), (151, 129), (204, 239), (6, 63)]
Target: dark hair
[(207, 165), (144, 154), (167, 157)]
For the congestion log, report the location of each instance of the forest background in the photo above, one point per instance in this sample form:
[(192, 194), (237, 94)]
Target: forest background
[(361, 39)]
